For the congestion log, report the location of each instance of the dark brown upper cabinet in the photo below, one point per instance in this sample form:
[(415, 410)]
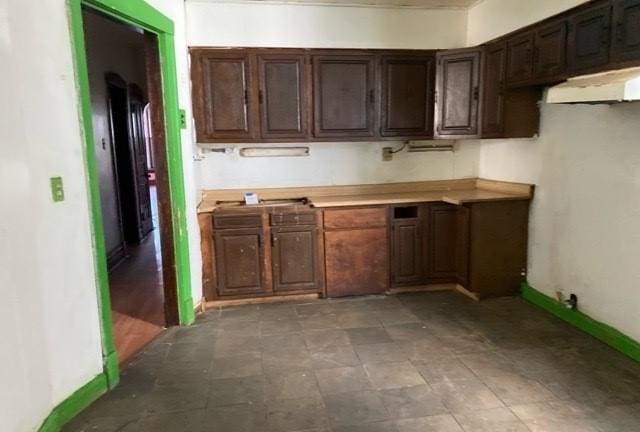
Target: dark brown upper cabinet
[(520, 58), (294, 258), (589, 38), (222, 91), (626, 40), (495, 61), (550, 51), (283, 96), (407, 96), (344, 96), (457, 93)]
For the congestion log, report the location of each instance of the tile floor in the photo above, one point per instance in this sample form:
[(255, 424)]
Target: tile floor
[(421, 362)]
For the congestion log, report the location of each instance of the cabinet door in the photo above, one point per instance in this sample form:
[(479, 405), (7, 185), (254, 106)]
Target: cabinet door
[(406, 252), (222, 95), (463, 219), (344, 96), (283, 96), (626, 41), (550, 51), (294, 255), (356, 261), (239, 261), (407, 96), (457, 93), (520, 58), (589, 38), (495, 59), (442, 240)]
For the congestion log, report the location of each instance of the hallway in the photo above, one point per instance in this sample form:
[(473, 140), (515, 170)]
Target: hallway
[(420, 362)]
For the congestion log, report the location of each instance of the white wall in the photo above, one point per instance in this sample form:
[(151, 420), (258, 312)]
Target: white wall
[(49, 322), (48, 313), (493, 18), (289, 25), (585, 220)]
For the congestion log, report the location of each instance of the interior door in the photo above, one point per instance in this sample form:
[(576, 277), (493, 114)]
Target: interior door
[(458, 93), (294, 256), (140, 168), (407, 91), (551, 50), (283, 96), (344, 96), (589, 38), (495, 60), (520, 58), (626, 41), (223, 95)]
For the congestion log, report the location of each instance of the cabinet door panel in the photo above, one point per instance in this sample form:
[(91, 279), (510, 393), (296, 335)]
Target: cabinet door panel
[(626, 42), (589, 38), (344, 96), (520, 58), (294, 258), (550, 50), (406, 248), (357, 262), (493, 95), (239, 261), (407, 89), (442, 259), (283, 101), (222, 92), (458, 78)]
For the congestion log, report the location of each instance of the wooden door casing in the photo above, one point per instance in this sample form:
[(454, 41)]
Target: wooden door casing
[(407, 96), (239, 261), (294, 258), (589, 38), (344, 96), (283, 96), (457, 93), (223, 95), (626, 39)]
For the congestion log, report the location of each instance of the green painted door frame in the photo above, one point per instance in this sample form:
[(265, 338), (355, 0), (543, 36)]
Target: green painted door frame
[(141, 14)]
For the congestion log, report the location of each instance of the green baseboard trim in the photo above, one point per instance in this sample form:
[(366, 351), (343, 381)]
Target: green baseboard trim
[(597, 329), (112, 369), (71, 406)]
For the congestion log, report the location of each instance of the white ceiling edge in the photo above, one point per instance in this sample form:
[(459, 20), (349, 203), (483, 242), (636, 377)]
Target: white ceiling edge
[(351, 4)]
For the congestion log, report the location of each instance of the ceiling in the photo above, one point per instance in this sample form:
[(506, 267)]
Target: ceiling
[(423, 4)]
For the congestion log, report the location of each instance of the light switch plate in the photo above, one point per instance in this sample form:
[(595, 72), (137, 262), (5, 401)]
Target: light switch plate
[(183, 119), (57, 189)]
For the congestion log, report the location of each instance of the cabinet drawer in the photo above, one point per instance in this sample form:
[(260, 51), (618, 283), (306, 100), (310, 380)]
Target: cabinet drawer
[(293, 219), (355, 218), (237, 221)]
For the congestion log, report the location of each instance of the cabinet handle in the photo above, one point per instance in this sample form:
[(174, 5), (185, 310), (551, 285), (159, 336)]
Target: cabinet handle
[(476, 93), (274, 239)]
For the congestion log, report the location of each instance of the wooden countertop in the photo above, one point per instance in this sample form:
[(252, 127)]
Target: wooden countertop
[(450, 191)]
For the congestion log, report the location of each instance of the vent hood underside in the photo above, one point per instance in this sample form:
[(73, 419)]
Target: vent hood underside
[(606, 87)]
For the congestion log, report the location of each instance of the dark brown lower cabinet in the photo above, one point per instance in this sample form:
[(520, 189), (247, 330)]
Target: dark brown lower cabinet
[(294, 258), (239, 261), (441, 250), (407, 257)]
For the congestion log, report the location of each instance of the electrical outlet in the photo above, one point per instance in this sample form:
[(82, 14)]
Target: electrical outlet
[(387, 154), (57, 189)]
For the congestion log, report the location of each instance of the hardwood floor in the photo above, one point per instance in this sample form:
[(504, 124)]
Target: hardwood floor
[(137, 296)]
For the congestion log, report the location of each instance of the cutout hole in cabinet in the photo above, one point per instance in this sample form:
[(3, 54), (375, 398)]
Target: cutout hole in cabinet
[(410, 212)]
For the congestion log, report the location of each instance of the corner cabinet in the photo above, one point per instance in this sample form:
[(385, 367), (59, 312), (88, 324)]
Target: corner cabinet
[(344, 96), (457, 93)]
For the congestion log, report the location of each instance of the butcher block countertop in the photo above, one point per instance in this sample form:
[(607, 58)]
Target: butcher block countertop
[(450, 191)]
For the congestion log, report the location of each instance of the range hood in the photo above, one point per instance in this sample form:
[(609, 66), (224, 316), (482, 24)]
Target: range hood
[(607, 87)]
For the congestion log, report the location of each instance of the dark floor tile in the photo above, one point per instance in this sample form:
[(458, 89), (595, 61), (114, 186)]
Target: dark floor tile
[(491, 420), (438, 423), (291, 385), (368, 335), (409, 332), (438, 369), (318, 340), (191, 421), (295, 414), (381, 353), (236, 418), (234, 391), (565, 416), (382, 426), (417, 401), (342, 380), (335, 357), (513, 389), (238, 366), (350, 320), (282, 342), (227, 346), (355, 408), (279, 327), (487, 364), (466, 395), (393, 375), (286, 360)]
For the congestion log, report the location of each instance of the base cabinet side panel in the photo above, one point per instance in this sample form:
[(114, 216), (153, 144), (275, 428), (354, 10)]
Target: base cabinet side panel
[(357, 262)]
